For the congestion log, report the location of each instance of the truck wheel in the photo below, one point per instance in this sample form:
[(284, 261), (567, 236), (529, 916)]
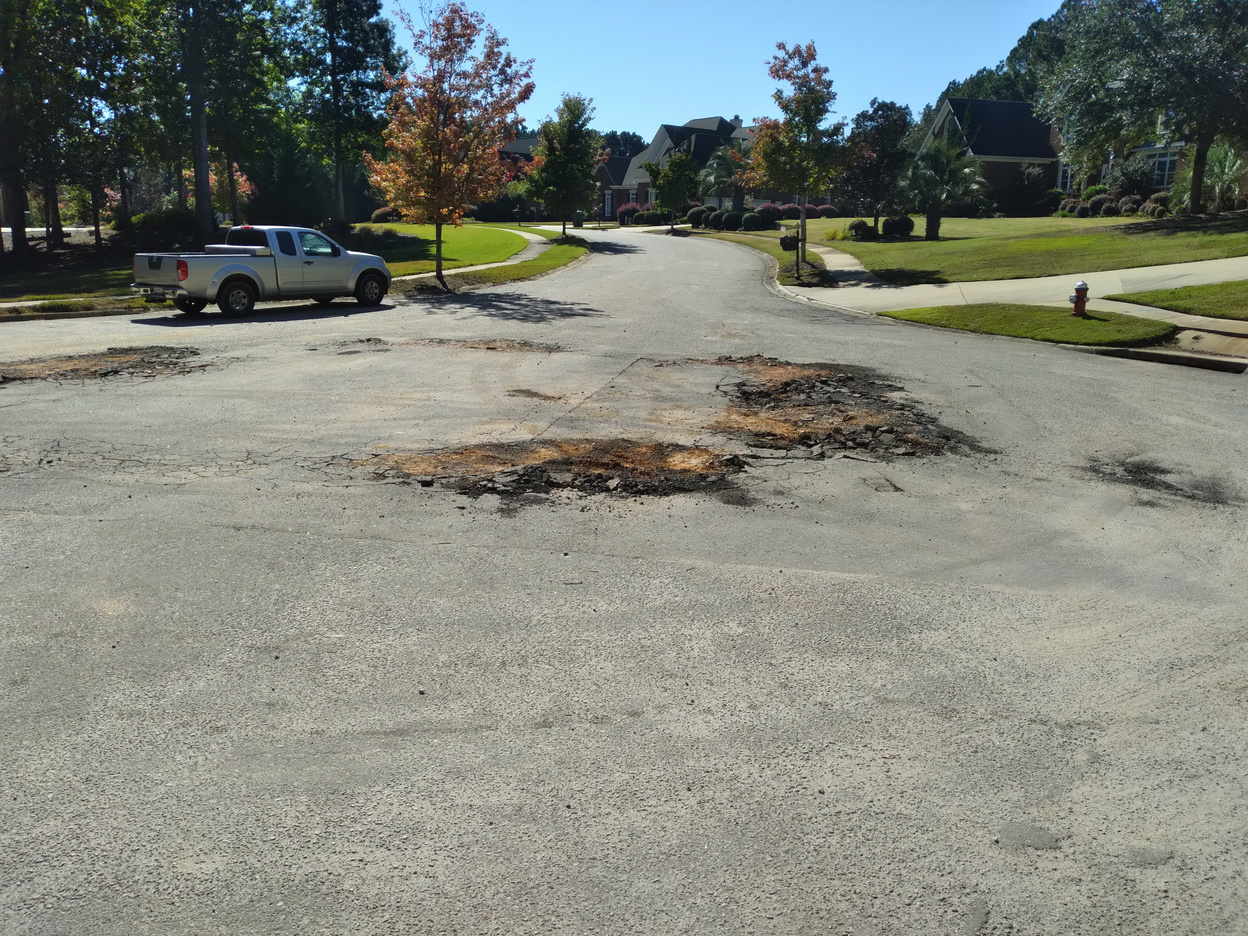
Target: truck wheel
[(237, 297), (370, 290), (188, 305)]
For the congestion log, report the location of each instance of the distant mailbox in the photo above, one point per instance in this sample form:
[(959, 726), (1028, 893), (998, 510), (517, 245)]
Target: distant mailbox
[(789, 242)]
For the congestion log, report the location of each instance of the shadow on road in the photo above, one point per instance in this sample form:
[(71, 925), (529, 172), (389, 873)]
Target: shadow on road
[(612, 247), (282, 313), (512, 307)]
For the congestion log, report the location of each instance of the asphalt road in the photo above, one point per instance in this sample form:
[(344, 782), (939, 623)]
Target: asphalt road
[(251, 687)]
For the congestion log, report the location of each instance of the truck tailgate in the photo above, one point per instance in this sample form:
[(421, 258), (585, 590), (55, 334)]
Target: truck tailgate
[(156, 269)]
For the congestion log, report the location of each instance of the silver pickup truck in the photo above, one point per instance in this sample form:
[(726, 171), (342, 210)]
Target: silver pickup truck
[(260, 262)]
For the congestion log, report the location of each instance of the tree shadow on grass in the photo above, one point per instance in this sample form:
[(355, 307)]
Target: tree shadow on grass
[(508, 306), (1231, 223), (900, 276)]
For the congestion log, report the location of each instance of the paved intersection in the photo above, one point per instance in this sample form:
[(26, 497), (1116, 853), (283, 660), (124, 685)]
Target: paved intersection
[(249, 687)]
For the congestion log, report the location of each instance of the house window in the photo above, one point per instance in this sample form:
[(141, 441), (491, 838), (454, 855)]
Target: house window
[(1065, 177), (1164, 167)]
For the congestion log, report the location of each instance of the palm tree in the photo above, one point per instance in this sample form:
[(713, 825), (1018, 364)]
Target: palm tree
[(724, 170), (1225, 171), (940, 175)]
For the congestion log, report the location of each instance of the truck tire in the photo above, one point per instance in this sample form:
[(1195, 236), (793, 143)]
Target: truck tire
[(188, 305), (237, 297), (370, 289)]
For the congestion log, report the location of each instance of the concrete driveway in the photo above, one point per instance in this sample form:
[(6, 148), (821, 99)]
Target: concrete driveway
[(255, 683)]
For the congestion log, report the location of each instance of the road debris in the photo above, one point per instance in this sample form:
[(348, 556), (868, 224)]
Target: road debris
[(816, 410), (467, 344), (145, 361), (592, 466)]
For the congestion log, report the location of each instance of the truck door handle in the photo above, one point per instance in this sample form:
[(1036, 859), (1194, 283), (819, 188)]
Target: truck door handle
[(307, 262)]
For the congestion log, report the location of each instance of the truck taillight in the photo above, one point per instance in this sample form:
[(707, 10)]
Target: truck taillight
[(181, 270)]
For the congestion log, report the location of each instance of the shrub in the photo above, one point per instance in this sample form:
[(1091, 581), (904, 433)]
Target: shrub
[(1160, 211), (1110, 209), (171, 221), (899, 226), (697, 216), (386, 215), (1162, 199), (335, 228), (626, 211), (1098, 202), (1082, 211), (769, 213), (731, 221), (752, 221), (1130, 204), (790, 212), (860, 230), (829, 211), (1068, 205), (1093, 190), (654, 216), (715, 219)]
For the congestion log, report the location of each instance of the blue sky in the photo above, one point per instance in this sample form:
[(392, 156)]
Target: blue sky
[(682, 59)]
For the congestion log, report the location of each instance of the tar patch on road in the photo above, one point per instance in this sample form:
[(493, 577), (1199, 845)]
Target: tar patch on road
[(1148, 475), (148, 361), (590, 466), (467, 344), (826, 408)]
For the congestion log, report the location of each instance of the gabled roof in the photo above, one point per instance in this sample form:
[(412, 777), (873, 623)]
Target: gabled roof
[(615, 168), (997, 129), (700, 138)]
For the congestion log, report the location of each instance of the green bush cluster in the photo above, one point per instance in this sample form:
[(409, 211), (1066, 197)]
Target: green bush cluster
[(752, 221), (898, 226), (861, 230), (386, 215)]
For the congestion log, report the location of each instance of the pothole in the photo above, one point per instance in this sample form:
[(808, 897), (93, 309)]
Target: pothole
[(1149, 475), (591, 466), (828, 408), (147, 361), (534, 395)]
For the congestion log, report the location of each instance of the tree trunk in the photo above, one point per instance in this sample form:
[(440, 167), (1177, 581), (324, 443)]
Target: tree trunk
[(335, 97), (123, 201), (235, 216), (95, 217), (932, 231), (437, 255), (205, 224), (877, 220), (1196, 200), (181, 185), (738, 199), (565, 226), (52, 215)]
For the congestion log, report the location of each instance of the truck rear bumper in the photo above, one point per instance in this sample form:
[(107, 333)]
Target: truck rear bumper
[(156, 293)]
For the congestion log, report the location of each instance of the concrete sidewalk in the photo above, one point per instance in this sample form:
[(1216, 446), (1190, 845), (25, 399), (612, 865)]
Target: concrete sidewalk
[(863, 292)]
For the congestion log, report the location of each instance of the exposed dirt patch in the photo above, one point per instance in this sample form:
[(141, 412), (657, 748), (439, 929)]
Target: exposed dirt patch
[(592, 466), (826, 408), (470, 344), (1148, 475), (149, 361)]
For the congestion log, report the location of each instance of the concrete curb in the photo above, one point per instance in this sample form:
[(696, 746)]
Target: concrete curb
[(1157, 356)]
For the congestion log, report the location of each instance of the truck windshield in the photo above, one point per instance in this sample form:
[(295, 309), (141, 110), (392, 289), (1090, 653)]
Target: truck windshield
[(246, 237)]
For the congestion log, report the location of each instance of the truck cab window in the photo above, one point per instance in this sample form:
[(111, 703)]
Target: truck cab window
[(245, 237), (286, 243), (314, 245)]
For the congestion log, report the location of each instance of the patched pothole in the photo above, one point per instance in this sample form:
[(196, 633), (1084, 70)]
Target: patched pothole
[(617, 466), (515, 345), (1149, 475), (146, 361), (823, 409)]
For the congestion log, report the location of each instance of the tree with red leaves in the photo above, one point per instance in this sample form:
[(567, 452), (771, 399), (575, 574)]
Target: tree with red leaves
[(800, 152), (449, 123)]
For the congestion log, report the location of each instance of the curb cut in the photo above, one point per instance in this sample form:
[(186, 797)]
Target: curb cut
[(1181, 358)]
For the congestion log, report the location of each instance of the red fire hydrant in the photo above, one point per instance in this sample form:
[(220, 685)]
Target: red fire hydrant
[(1080, 300)]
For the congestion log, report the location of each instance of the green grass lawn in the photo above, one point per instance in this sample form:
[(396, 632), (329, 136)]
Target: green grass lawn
[(770, 246), (1221, 300), (85, 277), (1043, 323), (563, 251), (463, 246), (1014, 248)]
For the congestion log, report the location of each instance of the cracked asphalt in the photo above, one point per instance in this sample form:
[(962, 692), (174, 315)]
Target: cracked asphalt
[(252, 687)]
